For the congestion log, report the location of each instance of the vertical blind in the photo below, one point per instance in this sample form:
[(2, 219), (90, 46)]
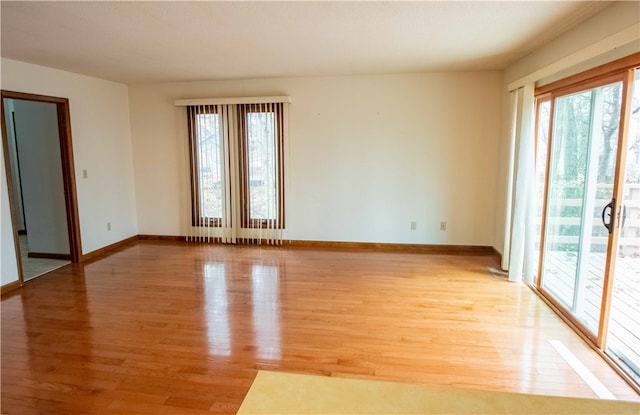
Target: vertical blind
[(519, 243), (236, 170), (523, 229)]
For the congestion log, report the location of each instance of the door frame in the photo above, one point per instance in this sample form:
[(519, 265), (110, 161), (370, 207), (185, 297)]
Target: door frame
[(603, 79), (619, 70), (68, 173)]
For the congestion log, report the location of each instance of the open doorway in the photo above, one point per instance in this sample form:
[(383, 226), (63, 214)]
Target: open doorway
[(39, 165)]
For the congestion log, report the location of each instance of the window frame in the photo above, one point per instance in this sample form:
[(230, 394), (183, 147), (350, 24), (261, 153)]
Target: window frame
[(242, 111), (197, 219)]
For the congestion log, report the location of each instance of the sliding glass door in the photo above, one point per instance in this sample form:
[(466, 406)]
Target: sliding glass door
[(623, 334), (588, 193), (580, 191)]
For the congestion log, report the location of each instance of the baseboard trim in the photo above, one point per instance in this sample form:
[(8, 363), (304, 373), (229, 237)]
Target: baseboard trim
[(356, 246), (393, 247), (109, 249), (7, 288), (498, 255), (174, 238), (49, 256)]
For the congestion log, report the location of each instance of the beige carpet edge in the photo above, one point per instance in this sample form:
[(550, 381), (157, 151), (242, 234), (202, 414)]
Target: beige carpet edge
[(288, 393)]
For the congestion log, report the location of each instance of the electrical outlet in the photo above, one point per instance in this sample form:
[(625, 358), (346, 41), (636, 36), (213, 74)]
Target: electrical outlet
[(108, 226), (414, 225), (443, 226)]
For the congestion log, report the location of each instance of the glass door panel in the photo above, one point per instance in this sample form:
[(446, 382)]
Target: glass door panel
[(623, 338), (580, 185)]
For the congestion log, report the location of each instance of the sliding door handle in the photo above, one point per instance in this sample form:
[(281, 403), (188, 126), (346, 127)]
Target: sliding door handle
[(611, 206)]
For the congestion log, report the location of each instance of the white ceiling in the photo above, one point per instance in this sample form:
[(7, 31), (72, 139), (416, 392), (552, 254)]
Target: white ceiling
[(153, 41)]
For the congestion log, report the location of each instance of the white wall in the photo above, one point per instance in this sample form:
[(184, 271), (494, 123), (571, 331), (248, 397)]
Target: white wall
[(101, 144), (36, 124), (576, 42), (620, 15), (367, 155)]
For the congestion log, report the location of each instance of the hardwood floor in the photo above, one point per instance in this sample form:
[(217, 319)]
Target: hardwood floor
[(171, 328)]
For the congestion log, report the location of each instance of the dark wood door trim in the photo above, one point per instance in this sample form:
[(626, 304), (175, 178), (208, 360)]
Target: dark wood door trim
[(68, 170), (10, 190)]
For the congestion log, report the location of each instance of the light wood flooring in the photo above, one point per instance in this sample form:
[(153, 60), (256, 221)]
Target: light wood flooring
[(172, 328)]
